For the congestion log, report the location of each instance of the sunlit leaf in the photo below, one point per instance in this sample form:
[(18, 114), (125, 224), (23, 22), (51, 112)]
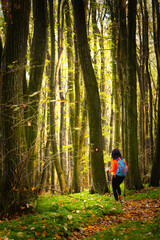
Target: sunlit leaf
[(69, 217), (15, 189), (16, 109), (37, 234), (44, 234), (20, 235), (10, 66), (33, 94), (29, 124)]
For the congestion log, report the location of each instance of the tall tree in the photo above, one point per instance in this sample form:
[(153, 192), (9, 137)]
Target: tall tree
[(13, 69), (134, 175), (144, 82), (93, 100), (155, 175), (113, 7), (53, 85), (122, 52), (99, 37), (74, 96), (149, 80), (60, 21), (37, 61), (1, 49)]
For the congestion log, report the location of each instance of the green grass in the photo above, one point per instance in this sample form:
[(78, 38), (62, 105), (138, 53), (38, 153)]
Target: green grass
[(144, 193), (58, 215), (132, 230), (135, 229)]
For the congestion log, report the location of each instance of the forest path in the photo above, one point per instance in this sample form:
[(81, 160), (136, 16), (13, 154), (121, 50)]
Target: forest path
[(141, 210)]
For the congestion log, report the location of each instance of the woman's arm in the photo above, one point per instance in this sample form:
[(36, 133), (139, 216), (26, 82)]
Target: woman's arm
[(114, 167)]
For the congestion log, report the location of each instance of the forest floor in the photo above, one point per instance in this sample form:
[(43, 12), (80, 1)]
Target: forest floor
[(89, 216), (138, 212)]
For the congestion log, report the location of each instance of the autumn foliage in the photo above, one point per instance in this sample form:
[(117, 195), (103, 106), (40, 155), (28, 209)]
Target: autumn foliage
[(79, 216)]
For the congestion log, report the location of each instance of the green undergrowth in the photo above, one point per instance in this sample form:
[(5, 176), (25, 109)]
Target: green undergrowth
[(56, 216), (135, 229), (132, 230), (147, 192)]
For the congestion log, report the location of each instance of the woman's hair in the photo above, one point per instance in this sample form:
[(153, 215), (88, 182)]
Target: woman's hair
[(116, 153)]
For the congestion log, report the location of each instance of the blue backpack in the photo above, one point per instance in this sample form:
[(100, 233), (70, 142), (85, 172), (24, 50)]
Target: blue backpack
[(121, 167)]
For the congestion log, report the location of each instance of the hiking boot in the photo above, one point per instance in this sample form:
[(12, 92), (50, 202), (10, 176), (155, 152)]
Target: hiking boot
[(120, 199)]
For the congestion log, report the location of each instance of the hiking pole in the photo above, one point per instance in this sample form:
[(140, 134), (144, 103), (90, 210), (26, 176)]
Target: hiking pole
[(124, 189), (108, 178)]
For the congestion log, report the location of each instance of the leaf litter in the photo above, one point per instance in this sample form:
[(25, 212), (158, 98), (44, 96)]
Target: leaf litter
[(142, 210), (60, 217)]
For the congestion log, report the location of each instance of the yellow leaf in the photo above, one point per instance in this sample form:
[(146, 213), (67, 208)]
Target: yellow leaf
[(44, 234), (37, 234), (15, 189), (29, 124), (57, 236)]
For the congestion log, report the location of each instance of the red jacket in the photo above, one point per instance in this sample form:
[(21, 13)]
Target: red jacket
[(114, 166)]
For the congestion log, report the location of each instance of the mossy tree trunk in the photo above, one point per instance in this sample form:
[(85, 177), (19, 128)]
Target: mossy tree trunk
[(155, 174), (53, 83), (74, 96), (134, 175), (12, 195), (93, 100), (37, 61), (113, 7), (1, 50), (99, 38), (123, 84), (60, 23)]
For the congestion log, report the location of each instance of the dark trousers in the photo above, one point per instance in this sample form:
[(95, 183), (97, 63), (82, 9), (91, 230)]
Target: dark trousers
[(116, 181)]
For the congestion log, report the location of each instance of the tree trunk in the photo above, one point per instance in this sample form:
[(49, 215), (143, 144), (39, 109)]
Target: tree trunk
[(141, 78), (123, 57), (60, 21), (97, 32), (116, 88), (94, 26), (111, 124), (73, 109), (134, 176), (43, 181), (93, 100), (155, 174), (38, 53), (1, 164), (1, 50), (82, 143), (113, 6), (145, 82), (53, 84), (12, 195), (77, 152)]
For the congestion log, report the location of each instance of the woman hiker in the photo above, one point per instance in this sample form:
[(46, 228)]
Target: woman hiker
[(119, 169)]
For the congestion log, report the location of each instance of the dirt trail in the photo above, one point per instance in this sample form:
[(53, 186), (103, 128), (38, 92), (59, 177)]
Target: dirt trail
[(140, 210)]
